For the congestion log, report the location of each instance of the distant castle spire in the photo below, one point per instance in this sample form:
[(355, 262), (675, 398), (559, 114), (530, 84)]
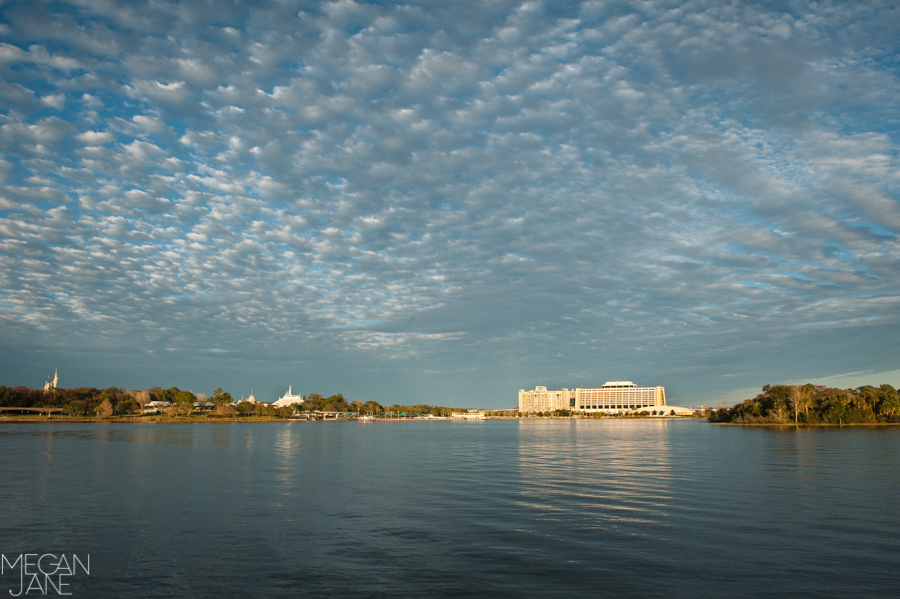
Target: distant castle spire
[(52, 384)]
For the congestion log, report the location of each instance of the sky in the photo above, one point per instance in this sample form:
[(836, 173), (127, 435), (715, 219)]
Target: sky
[(446, 202)]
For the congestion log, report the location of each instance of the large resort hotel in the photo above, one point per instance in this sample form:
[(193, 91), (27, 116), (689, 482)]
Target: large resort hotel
[(614, 397)]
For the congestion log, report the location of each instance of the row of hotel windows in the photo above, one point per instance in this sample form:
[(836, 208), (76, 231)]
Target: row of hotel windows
[(610, 397)]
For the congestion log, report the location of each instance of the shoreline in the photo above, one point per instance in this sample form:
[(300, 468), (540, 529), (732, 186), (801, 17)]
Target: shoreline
[(806, 425), (246, 419)]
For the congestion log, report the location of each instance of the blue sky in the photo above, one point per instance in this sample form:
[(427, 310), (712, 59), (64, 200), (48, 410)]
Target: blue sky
[(446, 202)]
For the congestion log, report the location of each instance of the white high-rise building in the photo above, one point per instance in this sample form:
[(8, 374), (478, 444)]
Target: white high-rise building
[(619, 396), (616, 396), (541, 400)]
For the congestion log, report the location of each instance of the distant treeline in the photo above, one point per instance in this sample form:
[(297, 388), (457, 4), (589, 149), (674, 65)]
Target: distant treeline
[(112, 401), (115, 401), (337, 403), (814, 404)]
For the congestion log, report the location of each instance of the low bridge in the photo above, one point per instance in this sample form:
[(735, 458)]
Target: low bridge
[(22, 410)]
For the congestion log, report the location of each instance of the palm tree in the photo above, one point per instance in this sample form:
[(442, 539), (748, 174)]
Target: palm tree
[(801, 397)]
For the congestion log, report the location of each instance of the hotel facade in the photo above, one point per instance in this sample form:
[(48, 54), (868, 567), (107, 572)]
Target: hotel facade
[(612, 397)]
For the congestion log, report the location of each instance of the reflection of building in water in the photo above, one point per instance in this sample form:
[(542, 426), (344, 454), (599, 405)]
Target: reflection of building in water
[(599, 474), (618, 396)]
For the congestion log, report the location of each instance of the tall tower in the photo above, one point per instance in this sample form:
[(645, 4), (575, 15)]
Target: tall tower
[(52, 384)]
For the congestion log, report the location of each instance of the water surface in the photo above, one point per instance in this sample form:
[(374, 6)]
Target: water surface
[(535, 508)]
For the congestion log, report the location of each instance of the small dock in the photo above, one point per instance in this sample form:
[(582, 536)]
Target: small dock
[(318, 415)]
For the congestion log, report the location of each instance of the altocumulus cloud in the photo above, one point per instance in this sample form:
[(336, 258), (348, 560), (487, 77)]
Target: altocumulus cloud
[(445, 202)]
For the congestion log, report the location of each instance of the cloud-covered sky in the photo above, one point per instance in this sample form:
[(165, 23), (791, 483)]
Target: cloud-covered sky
[(445, 202)]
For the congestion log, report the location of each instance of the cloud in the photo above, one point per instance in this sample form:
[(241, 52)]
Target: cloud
[(57, 101), (95, 137), (455, 196)]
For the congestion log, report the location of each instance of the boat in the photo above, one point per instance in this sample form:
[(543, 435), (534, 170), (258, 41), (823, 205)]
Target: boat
[(468, 415), (367, 418)]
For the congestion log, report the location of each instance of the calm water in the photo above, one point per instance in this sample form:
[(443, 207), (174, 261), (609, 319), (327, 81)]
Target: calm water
[(470, 509)]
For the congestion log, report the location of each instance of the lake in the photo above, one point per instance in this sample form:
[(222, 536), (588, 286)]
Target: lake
[(531, 508)]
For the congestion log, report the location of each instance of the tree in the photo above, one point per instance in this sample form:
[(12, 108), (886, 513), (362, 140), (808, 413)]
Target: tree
[(173, 411), (264, 410), (184, 398), (373, 407), (167, 395), (245, 408), (888, 403), (105, 409), (779, 397), (802, 396), (337, 403), (126, 406), (221, 398), (76, 408), (141, 397)]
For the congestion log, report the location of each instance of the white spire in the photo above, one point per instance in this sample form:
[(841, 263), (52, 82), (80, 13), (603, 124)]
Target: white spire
[(52, 384)]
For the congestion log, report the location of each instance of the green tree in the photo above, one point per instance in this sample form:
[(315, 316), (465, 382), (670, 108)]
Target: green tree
[(127, 406), (221, 398), (889, 403), (184, 399), (244, 408), (76, 407), (373, 407), (167, 395), (264, 410)]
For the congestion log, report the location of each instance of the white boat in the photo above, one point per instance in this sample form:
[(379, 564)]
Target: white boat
[(368, 418), (468, 415)]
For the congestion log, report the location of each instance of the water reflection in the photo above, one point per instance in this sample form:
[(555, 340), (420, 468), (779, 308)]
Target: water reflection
[(285, 458), (221, 435), (804, 466), (496, 509), (47, 463), (606, 472)]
